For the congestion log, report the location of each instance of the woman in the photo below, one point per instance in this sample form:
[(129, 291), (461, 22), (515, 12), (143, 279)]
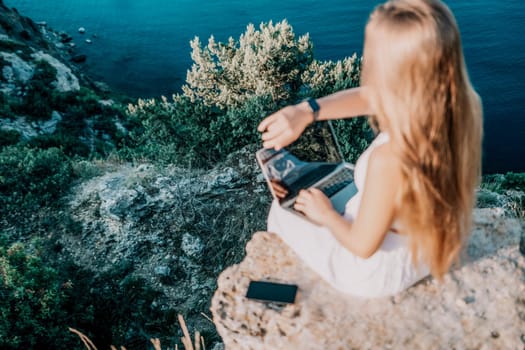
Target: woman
[(416, 182)]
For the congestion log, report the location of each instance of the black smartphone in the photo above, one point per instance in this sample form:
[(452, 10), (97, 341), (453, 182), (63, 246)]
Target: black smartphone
[(271, 291)]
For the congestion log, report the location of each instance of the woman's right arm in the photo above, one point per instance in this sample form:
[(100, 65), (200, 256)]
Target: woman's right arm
[(286, 125)]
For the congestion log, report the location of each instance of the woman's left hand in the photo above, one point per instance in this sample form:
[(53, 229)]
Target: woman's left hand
[(315, 205)]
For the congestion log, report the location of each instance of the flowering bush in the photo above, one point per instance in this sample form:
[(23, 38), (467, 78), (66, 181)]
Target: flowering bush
[(268, 61)]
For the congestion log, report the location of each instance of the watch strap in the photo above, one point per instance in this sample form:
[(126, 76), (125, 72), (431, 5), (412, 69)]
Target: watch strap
[(314, 106)]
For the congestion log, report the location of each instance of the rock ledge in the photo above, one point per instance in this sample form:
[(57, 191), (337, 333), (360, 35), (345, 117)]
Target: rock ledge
[(479, 305)]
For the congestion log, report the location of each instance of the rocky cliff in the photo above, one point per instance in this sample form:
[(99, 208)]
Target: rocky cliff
[(42, 91), (23, 43), (172, 228), (21, 28)]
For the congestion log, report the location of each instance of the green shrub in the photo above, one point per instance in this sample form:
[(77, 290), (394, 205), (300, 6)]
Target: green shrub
[(169, 132), (85, 98), (513, 181), (513, 185), (354, 135), (39, 303), (67, 141), (105, 126), (501, 182), (191, 133), (113, 307), (5, 105), (487, 199), (237, 127), (74, 120), (511, 190), (9, 137), (30, 178), (44, 73), (31, 306)]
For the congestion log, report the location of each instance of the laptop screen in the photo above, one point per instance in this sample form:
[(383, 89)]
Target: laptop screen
[(317, 143), (314, 155)]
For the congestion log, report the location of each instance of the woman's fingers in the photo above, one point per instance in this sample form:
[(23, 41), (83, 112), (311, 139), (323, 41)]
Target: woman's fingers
[(266, 121), (299, 207), (304, 196), (303, 201), (315, 191), (281, 128), (276, 143), (310, 197), (276, 138), (279, 190), (273, 129)]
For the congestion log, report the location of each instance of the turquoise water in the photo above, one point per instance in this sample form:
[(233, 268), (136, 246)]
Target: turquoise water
[(141, 47)]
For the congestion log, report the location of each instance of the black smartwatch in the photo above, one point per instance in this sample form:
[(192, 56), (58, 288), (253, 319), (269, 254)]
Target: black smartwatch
[(314, 106)]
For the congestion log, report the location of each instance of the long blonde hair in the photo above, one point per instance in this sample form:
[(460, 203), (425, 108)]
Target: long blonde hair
[(422, 95)]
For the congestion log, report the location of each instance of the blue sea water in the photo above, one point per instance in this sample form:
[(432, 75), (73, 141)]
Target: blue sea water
[(141, 47)]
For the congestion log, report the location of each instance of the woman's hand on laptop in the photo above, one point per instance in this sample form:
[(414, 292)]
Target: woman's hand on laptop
[(285, 126), (315, 205)]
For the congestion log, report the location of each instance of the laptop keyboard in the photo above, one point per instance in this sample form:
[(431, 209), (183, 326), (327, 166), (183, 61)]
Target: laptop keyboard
[(337, 182), (309, 178)]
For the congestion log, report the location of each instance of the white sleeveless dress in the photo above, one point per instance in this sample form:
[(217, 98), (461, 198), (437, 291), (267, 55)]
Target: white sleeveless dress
[(388, 271)]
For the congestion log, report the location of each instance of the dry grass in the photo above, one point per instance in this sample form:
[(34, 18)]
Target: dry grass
[(196, 344)]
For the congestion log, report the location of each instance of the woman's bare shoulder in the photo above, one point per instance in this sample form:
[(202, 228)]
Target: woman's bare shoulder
[(384, 164)]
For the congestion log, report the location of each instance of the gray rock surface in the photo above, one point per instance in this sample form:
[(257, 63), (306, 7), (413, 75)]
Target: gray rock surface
[(31, 129), (65, 79), (479, 305), (176, 228), (18, 70), (191, 246)]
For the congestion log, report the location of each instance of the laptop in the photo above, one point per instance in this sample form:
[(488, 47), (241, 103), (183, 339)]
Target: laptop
[(314, 160)]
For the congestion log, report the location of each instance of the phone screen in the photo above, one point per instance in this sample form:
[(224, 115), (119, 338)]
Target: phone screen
[(271, 291)]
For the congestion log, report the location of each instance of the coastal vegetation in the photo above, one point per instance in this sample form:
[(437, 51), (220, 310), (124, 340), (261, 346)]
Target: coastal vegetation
[(231, 87), (165, 142)]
